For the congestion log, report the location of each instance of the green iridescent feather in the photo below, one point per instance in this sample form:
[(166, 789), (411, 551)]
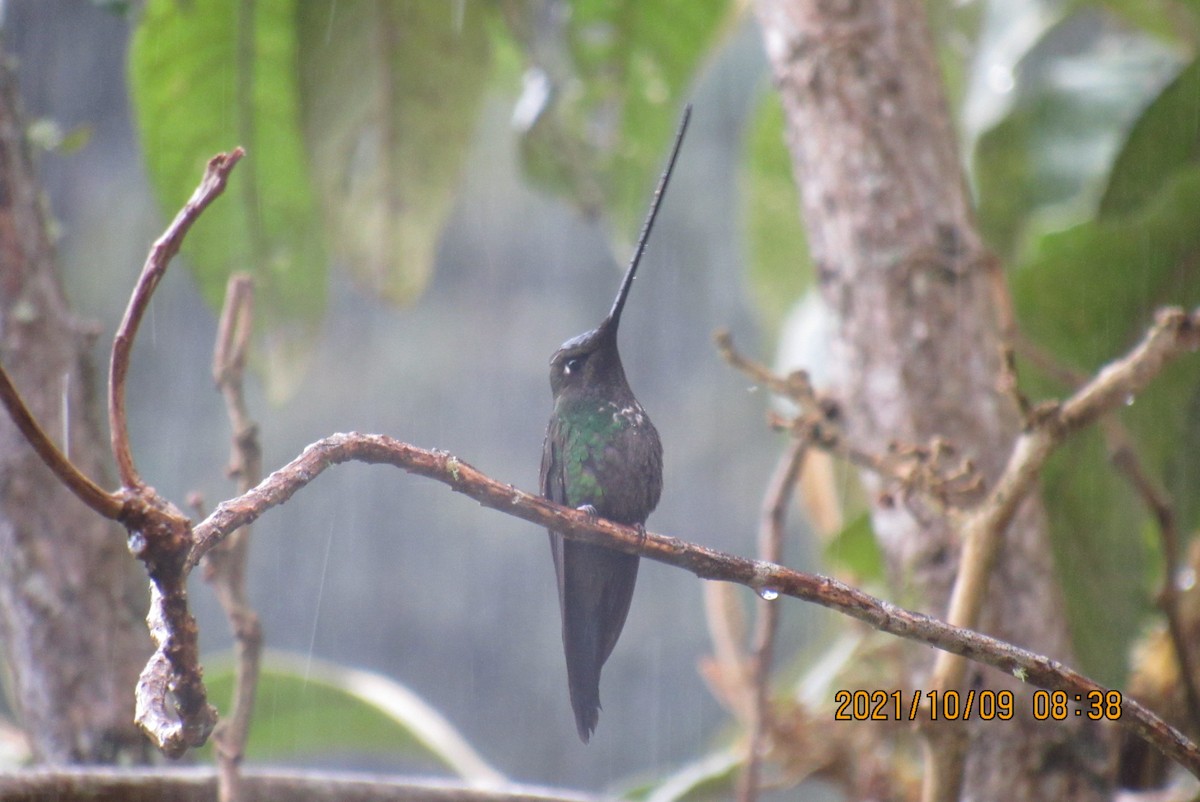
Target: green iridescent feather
[(586, 433)]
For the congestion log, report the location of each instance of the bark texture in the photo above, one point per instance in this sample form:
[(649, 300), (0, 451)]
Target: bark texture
[(918, 347), (71, 597)]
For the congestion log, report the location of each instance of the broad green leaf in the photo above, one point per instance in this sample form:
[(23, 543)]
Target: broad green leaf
[(1087, 294), (780, 268), (1073, 95), (210, 76), (615, 74), (390, 96), (1165, 138), (307, 707), (1088, 291)]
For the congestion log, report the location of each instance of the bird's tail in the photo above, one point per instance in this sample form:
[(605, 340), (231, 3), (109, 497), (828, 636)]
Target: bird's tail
[(595, 603)]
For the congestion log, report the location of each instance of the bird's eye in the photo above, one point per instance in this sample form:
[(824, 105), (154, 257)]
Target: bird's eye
[(572, 364)]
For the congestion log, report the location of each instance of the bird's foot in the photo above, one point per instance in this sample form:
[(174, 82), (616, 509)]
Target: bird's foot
[(641, 530), (589, 511)]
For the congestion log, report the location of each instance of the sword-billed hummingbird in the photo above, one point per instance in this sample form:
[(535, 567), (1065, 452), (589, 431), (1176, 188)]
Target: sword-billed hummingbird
[(601, 454)]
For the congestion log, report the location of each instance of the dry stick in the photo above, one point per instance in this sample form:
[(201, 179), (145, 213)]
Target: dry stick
[(770, 549), (1126, 461), (225, 566), (703, 562), (171, 702), (915, 469), (165, 247), (84, 488)]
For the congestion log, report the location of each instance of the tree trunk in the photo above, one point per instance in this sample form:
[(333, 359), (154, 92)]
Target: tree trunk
[(71, 596), (918, 345)]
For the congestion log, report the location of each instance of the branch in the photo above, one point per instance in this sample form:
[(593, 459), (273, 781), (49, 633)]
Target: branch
[(225, 567), (80, 783), (164, 249), (921, 470), (704, 562), (1123, 455), (171, 699), (84, 488), (770, 549), (1173, 334)]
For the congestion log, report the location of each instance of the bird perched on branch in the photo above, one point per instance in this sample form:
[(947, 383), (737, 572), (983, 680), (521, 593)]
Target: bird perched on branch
[(601, 455)]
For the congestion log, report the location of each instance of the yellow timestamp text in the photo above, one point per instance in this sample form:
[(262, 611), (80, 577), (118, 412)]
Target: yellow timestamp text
[(984, 705)]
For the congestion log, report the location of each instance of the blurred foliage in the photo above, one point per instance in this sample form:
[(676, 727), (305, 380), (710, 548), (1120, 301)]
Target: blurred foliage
[(307, 709), (1099, 213), (390, 93), (778, 266), (854, 552), (358, 115), (206, 77), (607, 80)]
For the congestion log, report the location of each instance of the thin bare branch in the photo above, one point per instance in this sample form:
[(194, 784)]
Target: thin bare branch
[(225, 566), (171, 701), (1174, 333), (197, 784), (84, 488), (1123, 455), (927, 471), (164, 249), (770, 549)]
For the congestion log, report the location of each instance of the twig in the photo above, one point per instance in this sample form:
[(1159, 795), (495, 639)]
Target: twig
[(1174, 333), (225, 566), (1124, 458), (918, 470), (770, 549), (84, 488), (795, 385), (704, 562), (198, 784), (164, 248)]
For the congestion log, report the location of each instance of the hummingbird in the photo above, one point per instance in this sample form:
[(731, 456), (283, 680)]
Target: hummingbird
[(601, 455)]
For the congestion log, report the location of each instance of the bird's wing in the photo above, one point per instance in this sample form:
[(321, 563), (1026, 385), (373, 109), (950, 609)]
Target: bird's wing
[(554, 487)]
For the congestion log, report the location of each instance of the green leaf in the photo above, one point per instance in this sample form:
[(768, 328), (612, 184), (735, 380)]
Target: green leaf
[(206, 77), (780, 268), (617, 71), (1050, 153), (391, 93), (1165, 139), (306, 707), (855, 550), (1087, 294), (1100, 556), (1088, 291)]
